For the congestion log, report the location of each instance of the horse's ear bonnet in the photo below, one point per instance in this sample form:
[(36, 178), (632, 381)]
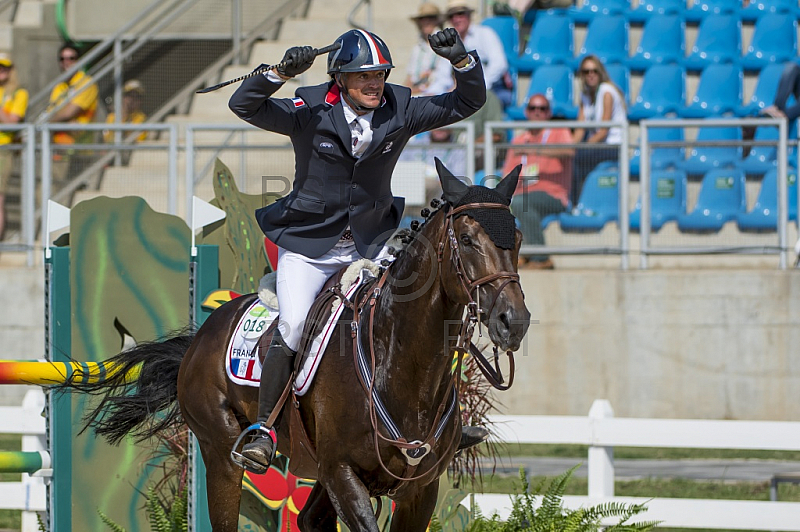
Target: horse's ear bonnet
[(498, 223)]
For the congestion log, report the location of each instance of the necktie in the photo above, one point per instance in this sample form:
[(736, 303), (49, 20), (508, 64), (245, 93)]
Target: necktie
[(363, 136), (357, 137)]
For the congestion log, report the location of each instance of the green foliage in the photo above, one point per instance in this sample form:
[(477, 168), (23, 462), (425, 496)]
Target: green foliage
[(109, 523), (165, 518), (171, 517), (550, 515)]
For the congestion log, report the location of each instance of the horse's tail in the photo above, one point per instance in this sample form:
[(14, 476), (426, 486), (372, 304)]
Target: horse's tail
[(138, 394)]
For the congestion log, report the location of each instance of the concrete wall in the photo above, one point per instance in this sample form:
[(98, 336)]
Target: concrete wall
[(718, 344), (21, 322), (678, 344)]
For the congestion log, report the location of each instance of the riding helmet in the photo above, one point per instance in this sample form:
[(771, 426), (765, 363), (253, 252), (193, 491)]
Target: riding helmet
[(360, 51)]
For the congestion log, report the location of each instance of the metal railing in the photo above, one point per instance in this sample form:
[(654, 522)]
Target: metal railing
[(162, 14), (107, 152), (197, 170), (27, 150), (646, 248), (234, 146)]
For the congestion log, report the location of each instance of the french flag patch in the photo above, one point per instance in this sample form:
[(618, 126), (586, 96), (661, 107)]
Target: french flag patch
[(298, 103)]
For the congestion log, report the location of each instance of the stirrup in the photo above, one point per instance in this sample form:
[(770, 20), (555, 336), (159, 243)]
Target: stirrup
[(254, 431)]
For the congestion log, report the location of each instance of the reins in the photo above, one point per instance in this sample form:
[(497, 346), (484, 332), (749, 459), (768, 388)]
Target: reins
[(415, 451)]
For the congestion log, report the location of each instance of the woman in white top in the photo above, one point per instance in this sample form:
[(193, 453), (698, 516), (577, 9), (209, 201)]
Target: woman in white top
[(601, 100)]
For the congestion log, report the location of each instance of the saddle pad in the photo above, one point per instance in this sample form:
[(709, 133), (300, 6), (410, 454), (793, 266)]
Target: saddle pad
[(242, 361)]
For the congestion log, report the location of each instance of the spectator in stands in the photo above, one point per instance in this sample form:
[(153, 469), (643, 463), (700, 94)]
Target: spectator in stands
[(546, 176), (601, 101), (132, 113), (73, 101), (789, 84), (13, 105), (488, 45), (422, 62)]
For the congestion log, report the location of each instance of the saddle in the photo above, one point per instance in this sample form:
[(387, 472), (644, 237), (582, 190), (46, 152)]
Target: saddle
[(303, 463)]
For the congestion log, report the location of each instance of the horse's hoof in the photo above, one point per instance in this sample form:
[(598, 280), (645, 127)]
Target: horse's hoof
[(471, 436)]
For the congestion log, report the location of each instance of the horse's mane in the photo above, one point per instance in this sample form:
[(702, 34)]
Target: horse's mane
[(406, 236)]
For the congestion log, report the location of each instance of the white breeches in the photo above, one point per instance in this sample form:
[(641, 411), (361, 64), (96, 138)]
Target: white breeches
[(299, 281)]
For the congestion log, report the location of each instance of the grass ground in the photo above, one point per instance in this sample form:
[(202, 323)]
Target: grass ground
[(10, 519), (578, 486)]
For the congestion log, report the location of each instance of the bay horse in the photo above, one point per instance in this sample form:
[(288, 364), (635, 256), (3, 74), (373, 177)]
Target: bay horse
[(461, 262)]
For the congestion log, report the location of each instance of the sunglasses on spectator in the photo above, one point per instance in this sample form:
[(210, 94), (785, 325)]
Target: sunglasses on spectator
[(538, 108), (458, 14), (587, 71), (68, 58)]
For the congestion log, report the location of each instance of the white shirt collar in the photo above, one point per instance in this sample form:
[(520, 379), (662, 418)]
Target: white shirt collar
[(350, 115)]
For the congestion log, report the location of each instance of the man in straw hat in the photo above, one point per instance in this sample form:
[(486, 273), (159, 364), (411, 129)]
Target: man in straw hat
[(423, 60), (483, 40), (132, 93)]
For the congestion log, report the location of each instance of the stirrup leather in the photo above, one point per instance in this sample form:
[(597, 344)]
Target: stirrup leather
[(254, 431)]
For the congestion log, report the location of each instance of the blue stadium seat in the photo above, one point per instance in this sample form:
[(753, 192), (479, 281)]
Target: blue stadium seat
[(719, 91), (758, 8), (598, 203), (607, 38), (764, 93), (704, 158), (662, 41), (764, 216), (721, 199), (660, 158), (507, 28), (663, 91), (719, 40), (761, 159), (701, 9), (587, 10), (555, 82), (667, 199), (621, 77), (774, 41), (648, 8), (550, 42)]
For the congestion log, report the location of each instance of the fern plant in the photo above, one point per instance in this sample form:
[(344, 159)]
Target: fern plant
[(551, 515)]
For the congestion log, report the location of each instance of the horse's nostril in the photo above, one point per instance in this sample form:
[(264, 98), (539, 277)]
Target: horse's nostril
[(505, 321)]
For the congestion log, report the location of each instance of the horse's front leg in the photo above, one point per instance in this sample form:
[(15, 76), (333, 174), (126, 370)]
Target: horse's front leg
[(318, 514), (350, 498), (413, 514)]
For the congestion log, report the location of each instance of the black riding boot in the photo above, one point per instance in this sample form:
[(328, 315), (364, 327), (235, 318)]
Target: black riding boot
[(275, 373), (471, 436)]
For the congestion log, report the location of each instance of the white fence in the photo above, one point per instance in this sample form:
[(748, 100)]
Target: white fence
[(30, 494), (602, 432)]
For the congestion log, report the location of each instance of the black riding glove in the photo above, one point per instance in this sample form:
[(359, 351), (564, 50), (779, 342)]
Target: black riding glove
[(298, 59), (447, 43)]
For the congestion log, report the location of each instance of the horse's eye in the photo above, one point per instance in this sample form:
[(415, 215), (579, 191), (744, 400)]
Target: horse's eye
[(466, 240)]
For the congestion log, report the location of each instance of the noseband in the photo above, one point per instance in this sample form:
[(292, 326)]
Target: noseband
[(464, 343)]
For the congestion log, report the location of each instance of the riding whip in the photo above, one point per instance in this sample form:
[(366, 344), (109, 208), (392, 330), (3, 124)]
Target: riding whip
[(317, 51)]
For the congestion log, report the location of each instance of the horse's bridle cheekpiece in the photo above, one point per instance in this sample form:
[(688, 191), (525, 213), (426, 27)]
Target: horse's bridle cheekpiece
[(474, 310)]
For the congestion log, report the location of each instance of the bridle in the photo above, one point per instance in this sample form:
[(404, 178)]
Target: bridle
[(415, 451), (464, 343)]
